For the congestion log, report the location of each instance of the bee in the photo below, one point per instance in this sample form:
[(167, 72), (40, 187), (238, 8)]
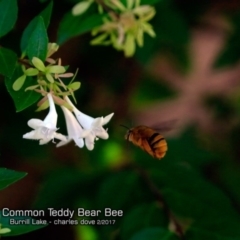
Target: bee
[(148, 140)]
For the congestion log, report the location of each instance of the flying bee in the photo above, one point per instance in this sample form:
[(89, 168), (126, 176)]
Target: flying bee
[(148, 140)]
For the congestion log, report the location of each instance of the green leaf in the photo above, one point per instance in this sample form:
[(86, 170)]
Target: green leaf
[(8, 15), (8, 60), (72, 26), (191, 188), (231, 51), (197, 200), (149, 91), (172, 35), (123, 185), (38, 42), (218, 229), (154, 234), (19, 229), (188, 143), (8, 177), (75, 85), (230, 54), (22, 99), (230, 176), (62, 183), (46, 15), (134, 222), (17, 85), (170, 26)]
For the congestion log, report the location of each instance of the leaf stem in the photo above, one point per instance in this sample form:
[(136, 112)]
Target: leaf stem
[(110, 11)]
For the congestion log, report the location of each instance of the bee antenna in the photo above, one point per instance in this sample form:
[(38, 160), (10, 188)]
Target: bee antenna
[(125, 126)]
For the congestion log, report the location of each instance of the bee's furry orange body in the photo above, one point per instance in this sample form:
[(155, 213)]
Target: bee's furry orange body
[(148, 140)]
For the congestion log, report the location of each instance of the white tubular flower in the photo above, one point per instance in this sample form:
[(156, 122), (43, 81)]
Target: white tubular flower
[(92, 126), (75, 131), (45, 130)]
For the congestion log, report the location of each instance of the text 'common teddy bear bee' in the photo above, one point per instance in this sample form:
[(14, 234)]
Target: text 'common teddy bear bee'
[(148, 140)]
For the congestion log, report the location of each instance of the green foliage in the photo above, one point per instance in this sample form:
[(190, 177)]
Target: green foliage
[(152, 216), (206, 204), (35, 42), (172, 28), (65, 182), (121, 184), (149, 91), (8, 177), (21, 228), (8, 60), (8, 15), (231, 51), (72, 26), (154, 233), (28, 31), (197, 182), (172, 35), (22, 99), (38, 41), (188, 150)]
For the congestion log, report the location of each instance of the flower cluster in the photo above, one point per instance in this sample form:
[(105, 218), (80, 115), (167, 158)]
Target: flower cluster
[(80, 127), (49, 84), (48, 75), (124, 26)]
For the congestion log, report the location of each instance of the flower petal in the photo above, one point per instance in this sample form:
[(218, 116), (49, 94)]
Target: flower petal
[(45, 130), (44, 141), (97, 122), (92, 127), (81, 7), (38, 63), (34, 134), (5, 230), (62, 143), (50, 77), (129, 47), (31, 72), (89, 140), (17, 85), (101, 133), (107, 118), (60, 136), (73, 127), (79, 141), (51, 118), (35, 123), (56, 69), (83, 119)]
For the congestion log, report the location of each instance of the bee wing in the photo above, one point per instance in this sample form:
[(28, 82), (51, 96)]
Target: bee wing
[(165, 126)]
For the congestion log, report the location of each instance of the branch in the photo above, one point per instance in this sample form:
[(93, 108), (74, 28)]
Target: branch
[(160, 199), (24, 62)]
